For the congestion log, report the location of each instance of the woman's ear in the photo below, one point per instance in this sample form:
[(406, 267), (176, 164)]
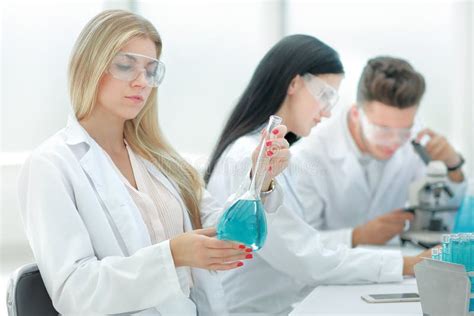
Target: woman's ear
[(294, 85)]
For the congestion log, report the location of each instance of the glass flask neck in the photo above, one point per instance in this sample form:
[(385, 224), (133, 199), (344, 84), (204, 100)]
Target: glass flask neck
[(261, 166)]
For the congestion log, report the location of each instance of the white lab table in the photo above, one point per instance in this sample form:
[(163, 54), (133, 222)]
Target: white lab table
[(346, 299)]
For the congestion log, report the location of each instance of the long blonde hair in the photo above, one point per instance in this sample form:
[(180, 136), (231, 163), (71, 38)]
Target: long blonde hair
[(100, 40)]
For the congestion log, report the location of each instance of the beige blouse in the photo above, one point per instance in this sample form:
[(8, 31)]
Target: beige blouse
[(160, 209)]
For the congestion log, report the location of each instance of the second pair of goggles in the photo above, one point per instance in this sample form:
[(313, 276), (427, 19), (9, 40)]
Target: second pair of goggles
[(321, 91), (382, 135), (128, 66)]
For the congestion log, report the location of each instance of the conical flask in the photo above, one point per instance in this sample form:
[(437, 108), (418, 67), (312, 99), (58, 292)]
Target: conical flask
[(244, 221)]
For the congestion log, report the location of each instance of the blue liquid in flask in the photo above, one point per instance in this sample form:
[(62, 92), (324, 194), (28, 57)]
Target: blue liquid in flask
[(244, 222)]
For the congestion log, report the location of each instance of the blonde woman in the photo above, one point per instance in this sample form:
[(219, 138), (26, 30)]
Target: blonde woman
[(113, 214)]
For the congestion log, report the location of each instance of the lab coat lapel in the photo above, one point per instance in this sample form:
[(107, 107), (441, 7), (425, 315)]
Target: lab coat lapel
[(110, 191), (341, 149), (116, 199), (392, 168), (353, 170)]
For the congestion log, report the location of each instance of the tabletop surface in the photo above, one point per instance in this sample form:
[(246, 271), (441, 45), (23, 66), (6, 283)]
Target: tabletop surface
[(346, 300)]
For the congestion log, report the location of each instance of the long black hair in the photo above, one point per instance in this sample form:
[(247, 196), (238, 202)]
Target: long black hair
[(293, 55)]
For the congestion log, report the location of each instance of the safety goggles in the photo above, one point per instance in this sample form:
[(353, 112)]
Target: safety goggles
[(321, 91), (382, 135), (128, 66)]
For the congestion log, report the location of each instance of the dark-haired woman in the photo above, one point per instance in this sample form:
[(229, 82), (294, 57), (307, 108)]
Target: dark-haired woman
[(298, 80)]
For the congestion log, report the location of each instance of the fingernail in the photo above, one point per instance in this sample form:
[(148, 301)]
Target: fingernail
[(249, 256), (240, 264), (269, 168), (241, 246), (248, 250), (268, 143), (275, 131), (269, 153)]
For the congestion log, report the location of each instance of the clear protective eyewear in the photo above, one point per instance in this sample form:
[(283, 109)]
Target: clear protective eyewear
[(128, 66), (321, 91), (383, 135)]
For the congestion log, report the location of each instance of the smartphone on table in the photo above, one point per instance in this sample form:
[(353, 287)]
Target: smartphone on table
[(391, 298)]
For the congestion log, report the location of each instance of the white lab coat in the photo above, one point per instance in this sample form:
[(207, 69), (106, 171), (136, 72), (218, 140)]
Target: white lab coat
[(90, 242), (294, 258), (332, 190)]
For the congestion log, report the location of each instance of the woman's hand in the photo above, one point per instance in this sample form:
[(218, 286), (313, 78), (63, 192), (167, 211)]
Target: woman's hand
[(278, 153), (199, 249)]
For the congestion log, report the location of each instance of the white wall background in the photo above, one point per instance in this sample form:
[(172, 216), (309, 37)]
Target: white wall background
[(210, 49)]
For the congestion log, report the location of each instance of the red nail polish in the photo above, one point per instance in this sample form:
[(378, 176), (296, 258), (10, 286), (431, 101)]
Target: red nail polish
[(240, 264), (269, 153), (275, 131), (268, 143), (241, 246), (249, 256), (248, 250)]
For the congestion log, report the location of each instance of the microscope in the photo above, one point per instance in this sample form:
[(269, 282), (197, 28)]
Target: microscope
[(429, 200)]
